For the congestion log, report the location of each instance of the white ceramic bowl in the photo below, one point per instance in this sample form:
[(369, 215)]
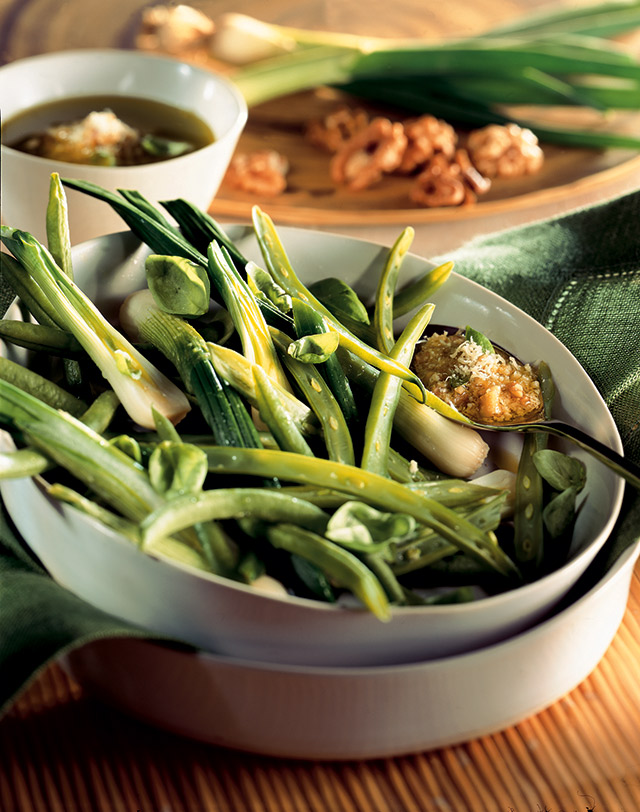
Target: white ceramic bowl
[(29, 82), (360, 713), (227, 618)]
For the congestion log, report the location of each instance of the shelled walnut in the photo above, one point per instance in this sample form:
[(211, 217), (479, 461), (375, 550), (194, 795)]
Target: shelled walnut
[(173, 29), (448, 182), (263, 172), (505, 151), (369, 154), (426, 136), (336, 128)]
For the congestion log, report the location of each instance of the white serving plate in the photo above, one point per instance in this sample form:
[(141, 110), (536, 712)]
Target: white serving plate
[(221, 616), (359, 713)]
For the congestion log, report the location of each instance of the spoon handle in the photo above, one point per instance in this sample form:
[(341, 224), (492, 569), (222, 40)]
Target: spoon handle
[(623, 467)]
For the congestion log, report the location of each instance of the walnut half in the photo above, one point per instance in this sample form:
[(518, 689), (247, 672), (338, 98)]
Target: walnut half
[(505, 151), (263, 172)]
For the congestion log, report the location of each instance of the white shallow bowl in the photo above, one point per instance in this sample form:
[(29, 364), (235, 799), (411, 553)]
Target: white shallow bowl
[(30, 82), (234, 620), (359, 713)]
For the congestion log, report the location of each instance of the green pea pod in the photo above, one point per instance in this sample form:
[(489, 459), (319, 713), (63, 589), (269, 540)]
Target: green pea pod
[(340, 299), (177, 468), (314, 349)]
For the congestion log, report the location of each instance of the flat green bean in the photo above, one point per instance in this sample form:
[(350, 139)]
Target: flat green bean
[(420, 290), (282, 271), (386, 396), (231, 503), (341, 566), (336, 433), (383, 312), (40, 338), (377, 490), (276, 417), (38, 386)]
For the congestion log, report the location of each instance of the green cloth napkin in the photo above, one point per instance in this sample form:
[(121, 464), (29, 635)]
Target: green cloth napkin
[(579, 275)]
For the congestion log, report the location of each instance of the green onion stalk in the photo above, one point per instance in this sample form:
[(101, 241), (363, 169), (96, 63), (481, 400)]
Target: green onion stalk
[(562, 57), (140, 386)]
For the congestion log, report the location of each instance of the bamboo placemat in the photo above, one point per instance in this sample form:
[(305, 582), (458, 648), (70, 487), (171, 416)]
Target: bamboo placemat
[(62, 752)]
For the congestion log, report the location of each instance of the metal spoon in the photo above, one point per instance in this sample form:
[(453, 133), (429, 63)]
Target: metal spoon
[(540, 424)]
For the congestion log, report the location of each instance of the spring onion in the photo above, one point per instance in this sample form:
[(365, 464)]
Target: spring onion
[(138, 383), (557, 58)]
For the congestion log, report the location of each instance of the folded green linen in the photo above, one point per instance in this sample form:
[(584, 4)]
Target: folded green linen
[(579, 275)]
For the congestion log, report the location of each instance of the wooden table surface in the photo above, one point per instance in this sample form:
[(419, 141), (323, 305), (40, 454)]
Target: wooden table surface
[(60, 751)]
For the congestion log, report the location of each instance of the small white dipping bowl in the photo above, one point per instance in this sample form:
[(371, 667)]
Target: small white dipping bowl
[(234, 620), (30, 82)]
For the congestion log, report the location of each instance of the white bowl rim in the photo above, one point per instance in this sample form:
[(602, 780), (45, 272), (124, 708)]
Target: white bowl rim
[(627, 558)]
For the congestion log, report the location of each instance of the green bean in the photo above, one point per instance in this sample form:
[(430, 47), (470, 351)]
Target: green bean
[(386, 395), (307, 321), (100, 413), (125, 527), (163, 546), (383, 312), (528, 522), (38, 386), (282, 271), (455, 492), (528, 525), (341, 566), (456, 449), (40, 338), (321, 497), (276, 417), (376, 490), (420, 290), (231, 503), (403, 470), (385, 575), (313, 386), (425, 552)]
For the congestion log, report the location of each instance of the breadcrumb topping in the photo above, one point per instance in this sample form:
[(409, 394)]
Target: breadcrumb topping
[(485, 386)]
